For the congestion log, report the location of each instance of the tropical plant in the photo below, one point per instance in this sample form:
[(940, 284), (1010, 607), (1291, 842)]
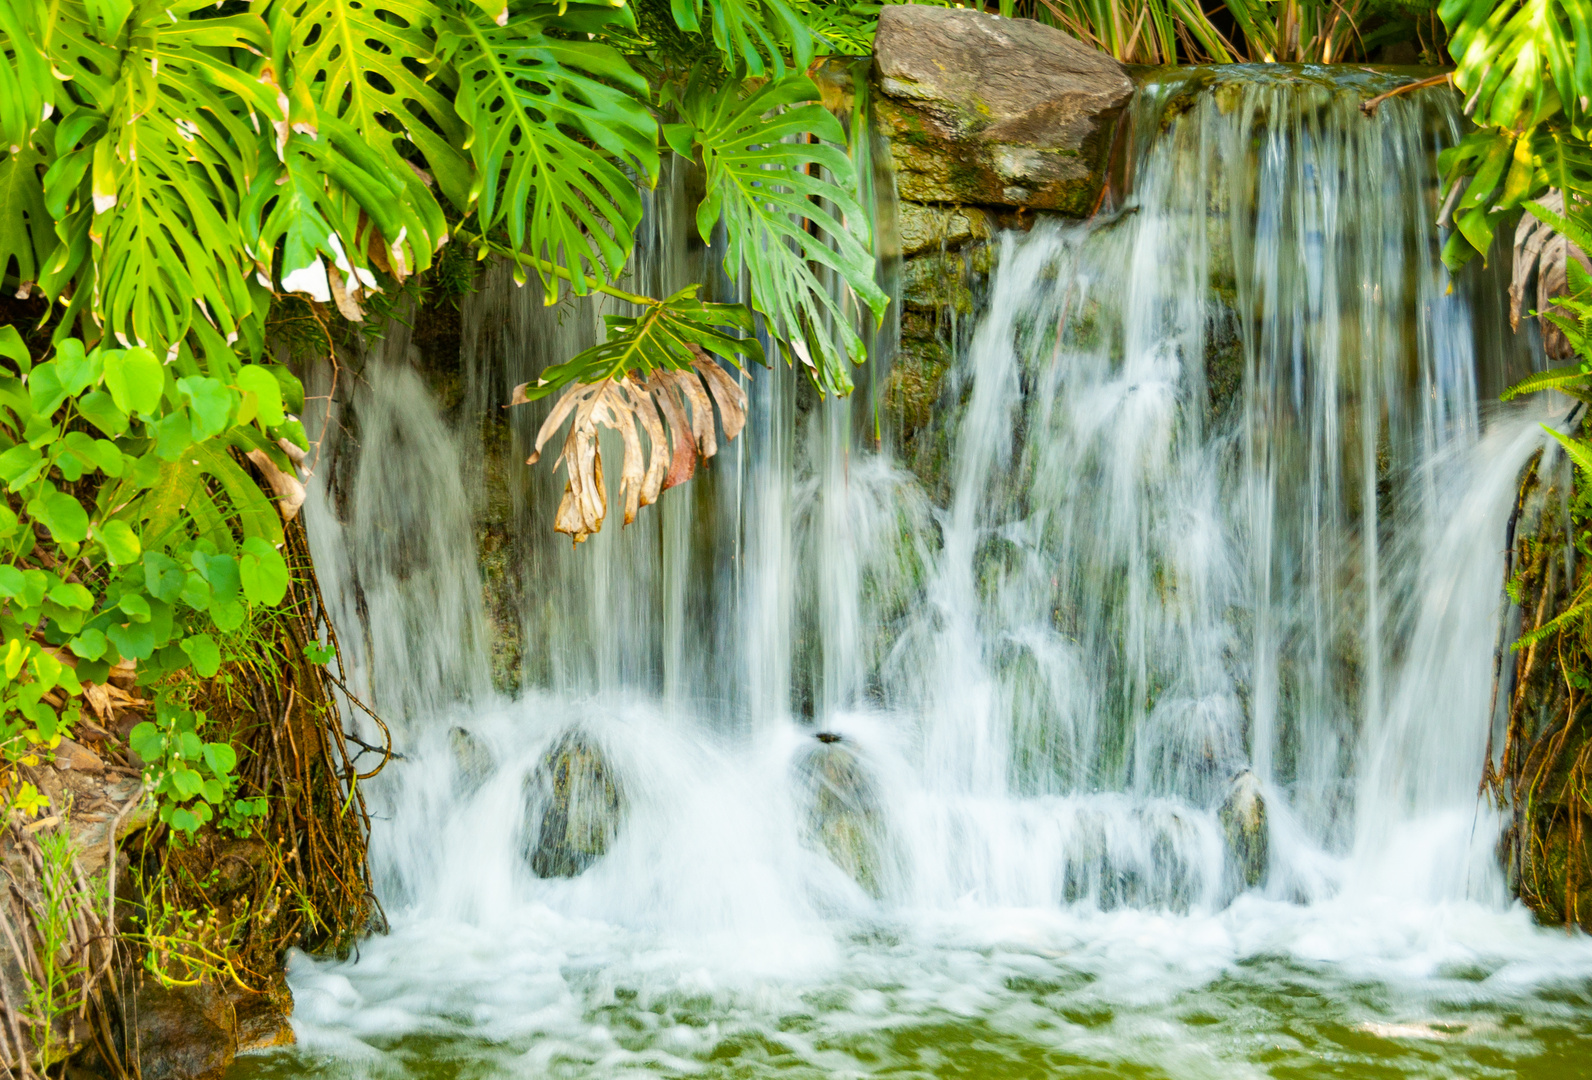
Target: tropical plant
[(1525, 67), (173, 169)]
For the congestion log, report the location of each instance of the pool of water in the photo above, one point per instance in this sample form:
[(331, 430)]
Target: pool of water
[(1262, 989)]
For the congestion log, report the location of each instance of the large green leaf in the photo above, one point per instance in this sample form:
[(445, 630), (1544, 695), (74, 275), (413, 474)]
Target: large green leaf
[(783, 218), (27, 235), (752, 34), (364, 64), (162, 170), (554, 123), (660, 338), (27, 88), (1520, 59)]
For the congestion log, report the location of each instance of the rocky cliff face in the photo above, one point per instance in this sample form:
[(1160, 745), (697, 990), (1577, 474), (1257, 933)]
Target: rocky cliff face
[(990, 122), (986, 111)]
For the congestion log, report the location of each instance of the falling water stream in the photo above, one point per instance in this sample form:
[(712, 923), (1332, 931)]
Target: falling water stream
[(1219, 508)]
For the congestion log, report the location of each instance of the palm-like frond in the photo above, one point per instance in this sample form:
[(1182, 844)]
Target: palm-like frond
[(764, 153), (553, 124)]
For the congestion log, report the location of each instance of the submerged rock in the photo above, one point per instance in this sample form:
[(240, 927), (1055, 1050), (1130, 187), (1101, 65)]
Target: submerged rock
[(1243, 818), (1145, 857), (573, 809), (473, 759), (844, 818)]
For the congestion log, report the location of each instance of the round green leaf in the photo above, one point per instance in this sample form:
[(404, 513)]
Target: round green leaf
[(221, 758), (135, 379), (12, 583), (267, 393), (205, 654), (72, 595), (263, 572), (89, 645), (136, 607), (63, 515), (210, 404), (120, 542)]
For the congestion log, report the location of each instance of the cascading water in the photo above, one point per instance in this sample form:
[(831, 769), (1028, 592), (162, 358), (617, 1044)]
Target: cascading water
[(1225, 514)]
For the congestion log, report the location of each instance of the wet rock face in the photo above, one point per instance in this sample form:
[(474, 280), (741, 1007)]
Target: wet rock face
[(471, 757), (985, 110), (844, 818), (1243, 818), (184, 1033), (573, 809)]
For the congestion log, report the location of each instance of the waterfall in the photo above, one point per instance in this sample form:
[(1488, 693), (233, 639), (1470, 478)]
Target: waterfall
[(1226, 500)]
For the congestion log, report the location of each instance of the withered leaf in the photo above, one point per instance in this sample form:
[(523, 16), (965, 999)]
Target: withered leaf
[(672, 408)]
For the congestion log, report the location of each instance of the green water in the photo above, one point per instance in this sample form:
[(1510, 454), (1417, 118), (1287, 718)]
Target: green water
[(1139, 996)]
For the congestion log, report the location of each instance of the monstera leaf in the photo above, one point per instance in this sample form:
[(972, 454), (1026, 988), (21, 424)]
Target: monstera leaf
[(361, 64), (160, 166), (752, 34), (1525, 67), (671, 407), (781, 215), (554, 123), (27, 235), (1521, 58), (27, 87), (647, 378)]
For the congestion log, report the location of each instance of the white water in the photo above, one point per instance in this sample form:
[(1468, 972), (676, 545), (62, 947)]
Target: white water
[(1142, 584)]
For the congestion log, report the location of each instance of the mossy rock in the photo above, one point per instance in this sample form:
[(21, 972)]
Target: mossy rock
[(1243, 818), (845, 818), (574, 809)]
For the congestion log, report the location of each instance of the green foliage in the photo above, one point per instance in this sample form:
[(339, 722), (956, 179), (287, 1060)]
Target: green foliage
[(774, 210), (553, 122), (655, 340), (1525, 67), (191, 778), (1573, 315), (51, 993), (130, 531)]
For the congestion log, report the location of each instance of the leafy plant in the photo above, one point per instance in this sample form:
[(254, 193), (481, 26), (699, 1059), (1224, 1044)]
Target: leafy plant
[(130, 533), (52, 994), (771, 198), (1525, 67), (191, 778)]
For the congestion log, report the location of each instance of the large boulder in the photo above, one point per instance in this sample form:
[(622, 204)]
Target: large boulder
[(1243, 818), (981, 109), (844, 818), (573, 809)]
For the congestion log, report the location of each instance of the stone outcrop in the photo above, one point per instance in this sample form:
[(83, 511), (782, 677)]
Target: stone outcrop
[(990, 122), (844, 818), (574, 809), (983, 110), (1243, 818)]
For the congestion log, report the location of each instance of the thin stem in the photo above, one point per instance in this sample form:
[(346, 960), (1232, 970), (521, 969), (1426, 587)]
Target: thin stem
[(546, 267)]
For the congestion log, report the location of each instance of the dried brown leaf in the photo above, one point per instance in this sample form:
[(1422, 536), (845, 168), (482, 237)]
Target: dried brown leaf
[(1541, 257), (658, 454), (347, 299), (288, 489), (682, 464), (701, 412), (675, 411), (727, 394)]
